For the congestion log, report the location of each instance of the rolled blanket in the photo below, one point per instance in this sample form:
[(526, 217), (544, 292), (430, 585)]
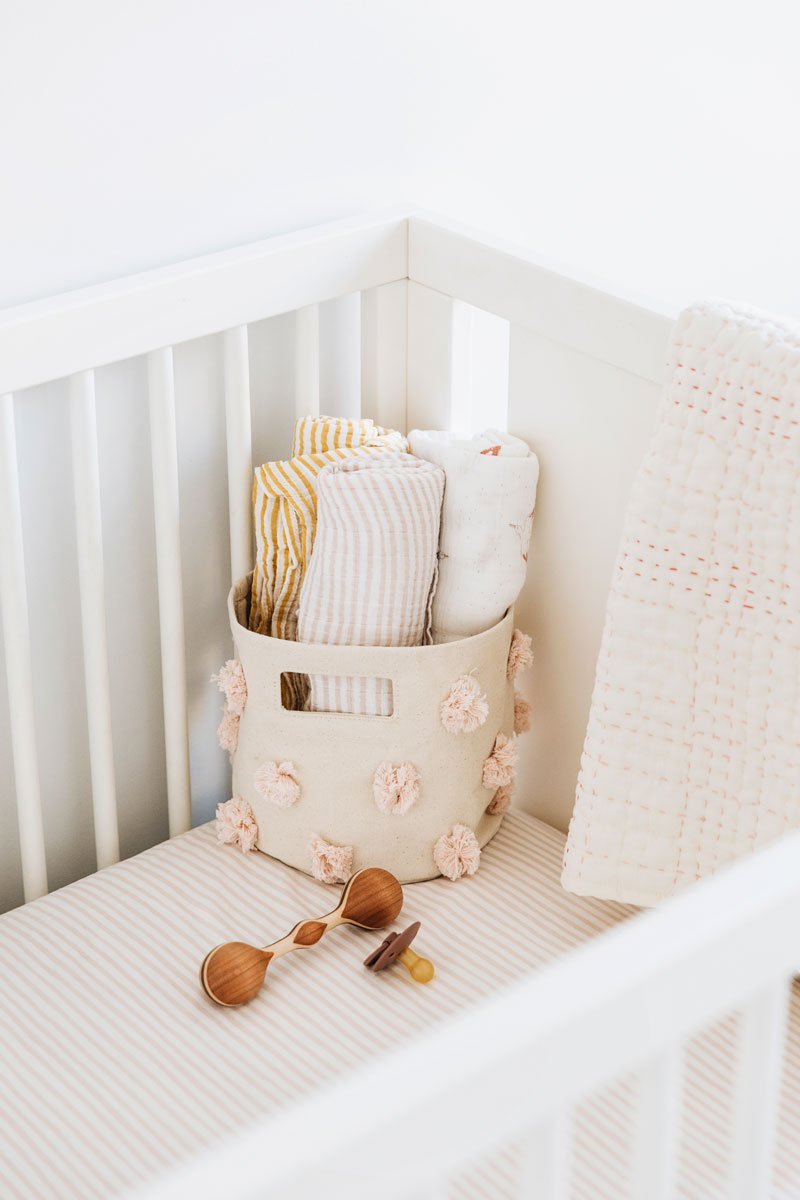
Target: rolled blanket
[(486, 526), (372, 572), (285, 504)]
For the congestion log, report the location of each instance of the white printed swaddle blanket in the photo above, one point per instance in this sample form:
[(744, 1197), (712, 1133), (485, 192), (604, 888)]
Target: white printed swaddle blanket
[(487, 516), (692, 752), (372, 571)]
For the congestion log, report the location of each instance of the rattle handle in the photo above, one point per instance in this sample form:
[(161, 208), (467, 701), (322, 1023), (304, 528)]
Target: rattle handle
[(305, 934)]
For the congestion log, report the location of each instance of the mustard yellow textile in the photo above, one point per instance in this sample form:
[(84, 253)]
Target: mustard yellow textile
[(285, 510)]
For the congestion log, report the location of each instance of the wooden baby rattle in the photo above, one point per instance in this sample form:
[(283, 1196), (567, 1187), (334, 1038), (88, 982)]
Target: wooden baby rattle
[(397, 946), (233, 973)]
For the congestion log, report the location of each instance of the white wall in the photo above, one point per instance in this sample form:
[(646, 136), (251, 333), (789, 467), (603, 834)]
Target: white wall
[(651, 143)]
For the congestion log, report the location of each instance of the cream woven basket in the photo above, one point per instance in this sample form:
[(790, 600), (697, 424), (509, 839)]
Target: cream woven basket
[(335, 756)]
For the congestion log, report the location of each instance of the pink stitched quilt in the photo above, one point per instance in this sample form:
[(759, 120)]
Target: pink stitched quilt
[(692, 751)]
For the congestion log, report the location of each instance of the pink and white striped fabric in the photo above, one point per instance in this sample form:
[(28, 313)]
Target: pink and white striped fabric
[(372, 574), (116, 1068)]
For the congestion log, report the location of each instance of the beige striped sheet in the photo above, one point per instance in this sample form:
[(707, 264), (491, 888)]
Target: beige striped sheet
[(372, 574), (115, 1066)]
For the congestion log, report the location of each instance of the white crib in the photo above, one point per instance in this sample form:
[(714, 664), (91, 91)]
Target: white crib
[(446, 329)]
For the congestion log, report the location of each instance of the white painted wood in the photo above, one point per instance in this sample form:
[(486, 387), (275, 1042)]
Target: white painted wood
[(489, 371), (590, 424), (581, 389), (478, 1080), (340, 357), (544, 1165), (57, 337), (654, 1166), (457, 364), (16, 640), (170, 586), (440, 362), (757, 1091), (240, 449), (384, 354), (430, 359), (461, 352), (306, 361), (91, 577), (511, 284)]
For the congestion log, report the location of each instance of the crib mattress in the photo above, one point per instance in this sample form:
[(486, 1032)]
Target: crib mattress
[(115, 1066)]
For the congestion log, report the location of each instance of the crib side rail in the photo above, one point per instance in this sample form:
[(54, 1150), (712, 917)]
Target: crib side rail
[(583, 366), (610, 326), (68, 338), (57, 337), (573, 370), (516, 1065)]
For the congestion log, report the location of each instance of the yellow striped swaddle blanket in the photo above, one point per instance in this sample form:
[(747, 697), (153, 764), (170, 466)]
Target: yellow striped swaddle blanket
[(285, 510)]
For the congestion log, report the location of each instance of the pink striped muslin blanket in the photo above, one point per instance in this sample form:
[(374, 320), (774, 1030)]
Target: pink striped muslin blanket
[(372, 573)]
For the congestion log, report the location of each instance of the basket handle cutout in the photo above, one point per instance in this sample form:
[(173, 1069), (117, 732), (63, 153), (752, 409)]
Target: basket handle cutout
[(345, 695)]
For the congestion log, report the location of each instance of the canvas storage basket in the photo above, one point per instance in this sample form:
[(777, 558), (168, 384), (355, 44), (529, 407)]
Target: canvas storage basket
[(335, 755)]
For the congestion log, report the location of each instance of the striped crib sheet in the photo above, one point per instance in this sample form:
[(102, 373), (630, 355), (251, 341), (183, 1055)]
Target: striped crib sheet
[(115, 1066), (372, 574)]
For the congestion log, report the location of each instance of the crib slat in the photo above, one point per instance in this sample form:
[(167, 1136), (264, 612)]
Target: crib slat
[(439, 361), (490, 366), (544, 1168), (88, 525), (16, 637), (657, 1129), (340, 338), (458, 363), (306, 361), (240, 449), (461, 346), (757, 1092), (384, 340), (170, 588)]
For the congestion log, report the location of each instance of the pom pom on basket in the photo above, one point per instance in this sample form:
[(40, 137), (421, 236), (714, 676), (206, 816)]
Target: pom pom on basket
[(520, 655), (231, 682), (457, 852), (501, 765), (522, 713), (228, 731), (330, 864), (501, 800), (236, 825), (412, 791), (276, 782), (465, 707), (395, 787)]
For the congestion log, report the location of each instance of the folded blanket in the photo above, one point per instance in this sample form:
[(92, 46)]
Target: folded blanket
[(692, 752), (373, 569), (285, 505), (486, 526)]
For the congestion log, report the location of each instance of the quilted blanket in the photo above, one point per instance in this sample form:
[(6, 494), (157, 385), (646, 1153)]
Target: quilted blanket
[(692, 751)]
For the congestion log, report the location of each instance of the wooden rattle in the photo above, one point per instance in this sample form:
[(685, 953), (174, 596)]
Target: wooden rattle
[(396, 946), (233, 973)]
